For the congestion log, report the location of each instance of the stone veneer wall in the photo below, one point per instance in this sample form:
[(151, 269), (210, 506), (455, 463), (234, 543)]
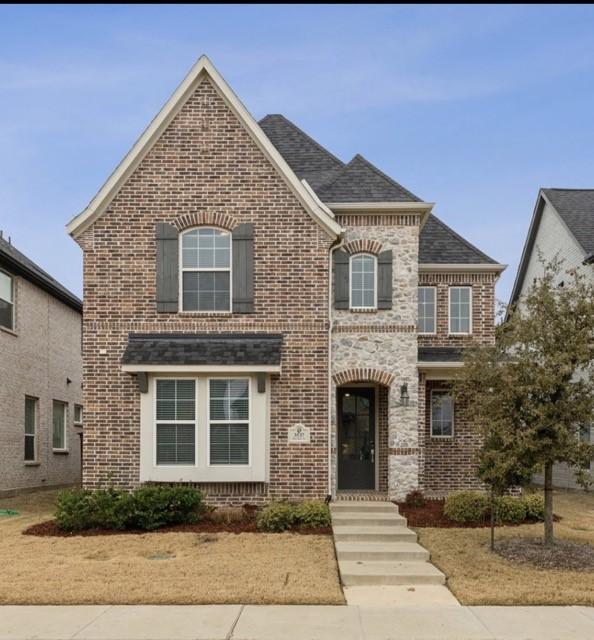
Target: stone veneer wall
[(385, 340)]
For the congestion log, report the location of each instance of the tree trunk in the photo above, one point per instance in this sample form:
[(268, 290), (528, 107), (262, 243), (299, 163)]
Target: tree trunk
[(548, 496), (492, 517)]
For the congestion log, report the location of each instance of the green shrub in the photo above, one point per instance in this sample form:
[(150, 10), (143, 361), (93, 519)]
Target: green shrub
[(312, 513), (276, 516), (510, 510), (466, 506), (415, 499), (149, 507), (535, 506)]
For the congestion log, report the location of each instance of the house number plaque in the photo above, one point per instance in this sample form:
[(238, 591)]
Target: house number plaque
[(299, 434)]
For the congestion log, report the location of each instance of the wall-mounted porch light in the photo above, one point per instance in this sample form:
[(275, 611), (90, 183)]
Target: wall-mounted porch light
[(404, 397)]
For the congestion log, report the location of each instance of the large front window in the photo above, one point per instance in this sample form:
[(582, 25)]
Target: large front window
[(206, 270), (442, 414), (6, 301), (229, 421), (363, 282), (176, 422)]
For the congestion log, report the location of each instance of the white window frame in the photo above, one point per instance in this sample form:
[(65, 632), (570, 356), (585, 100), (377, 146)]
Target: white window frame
[(35, 429), (11, 302), (363, 308), (64, 448), (78, 423), (248, 421), (442, 392), (194, 422), (183, 269), (428, 333), (470, 305)]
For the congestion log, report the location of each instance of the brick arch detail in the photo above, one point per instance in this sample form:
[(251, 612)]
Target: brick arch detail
[(209, 218), (363, 245), (363, 375)]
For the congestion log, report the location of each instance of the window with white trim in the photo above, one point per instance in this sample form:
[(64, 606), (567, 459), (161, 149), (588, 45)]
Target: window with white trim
[(206, 270), (59, 412), (78, 415), (363, 281), (427, 310), (229, 421), (6, 301), (442, 414), (460, 315), (175, 417), (31, 412)]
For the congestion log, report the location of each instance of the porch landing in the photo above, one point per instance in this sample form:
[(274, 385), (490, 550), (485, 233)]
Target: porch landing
[(361, 496)]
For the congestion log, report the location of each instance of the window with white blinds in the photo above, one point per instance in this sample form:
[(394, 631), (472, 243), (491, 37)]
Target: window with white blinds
[(176, 422), (229, 421)]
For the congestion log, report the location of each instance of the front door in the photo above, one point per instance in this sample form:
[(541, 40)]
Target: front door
[(356, 438)]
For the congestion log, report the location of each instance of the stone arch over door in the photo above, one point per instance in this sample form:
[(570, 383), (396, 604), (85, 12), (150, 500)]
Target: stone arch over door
[(348, 376)]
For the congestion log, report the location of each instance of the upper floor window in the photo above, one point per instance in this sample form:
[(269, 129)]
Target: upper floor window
[(427, 310), (6, 301), (363, 281), (206, 270), (460, 310)]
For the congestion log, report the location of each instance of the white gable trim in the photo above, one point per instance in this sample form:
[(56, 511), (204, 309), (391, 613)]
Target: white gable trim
[(203, 68)]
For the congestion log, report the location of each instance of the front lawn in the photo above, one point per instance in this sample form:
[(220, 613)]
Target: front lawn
[(478, 577), (160, 567)]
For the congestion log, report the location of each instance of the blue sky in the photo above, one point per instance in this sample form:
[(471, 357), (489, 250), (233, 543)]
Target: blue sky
[(471, 107)]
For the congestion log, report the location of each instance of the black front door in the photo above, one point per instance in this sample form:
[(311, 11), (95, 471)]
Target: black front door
[(356, 438)]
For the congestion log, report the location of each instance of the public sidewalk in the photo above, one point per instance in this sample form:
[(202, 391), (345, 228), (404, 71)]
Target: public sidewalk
[(300, 622)]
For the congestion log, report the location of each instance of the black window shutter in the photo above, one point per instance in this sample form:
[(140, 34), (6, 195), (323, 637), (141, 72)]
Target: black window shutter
[(243, 268), (384, 280), (341, 279), (167, 268)]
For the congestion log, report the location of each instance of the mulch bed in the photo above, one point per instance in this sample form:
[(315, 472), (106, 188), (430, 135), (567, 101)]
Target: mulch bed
[(431, 515), (563, 555), (49, 528)]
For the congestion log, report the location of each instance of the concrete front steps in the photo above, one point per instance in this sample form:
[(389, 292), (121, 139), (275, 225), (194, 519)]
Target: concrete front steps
[(375, 547)]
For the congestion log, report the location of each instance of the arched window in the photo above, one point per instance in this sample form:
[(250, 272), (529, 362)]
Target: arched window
[(363, 289), (206, 270)]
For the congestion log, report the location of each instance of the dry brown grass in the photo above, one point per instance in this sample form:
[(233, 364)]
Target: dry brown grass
[(206, 568), (478, 577)]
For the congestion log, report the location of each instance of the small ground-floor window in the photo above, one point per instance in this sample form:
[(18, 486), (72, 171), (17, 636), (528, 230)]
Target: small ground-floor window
[(30, 429), (59, 425), (442, 414)]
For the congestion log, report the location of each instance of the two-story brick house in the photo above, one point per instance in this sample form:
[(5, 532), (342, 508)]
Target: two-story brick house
[(265, 321)]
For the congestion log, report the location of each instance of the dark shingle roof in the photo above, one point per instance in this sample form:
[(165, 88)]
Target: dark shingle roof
[(16, 262), (308, 159), (203, 348), (440, 354), (438, 244), (360, 181), (576, 208)]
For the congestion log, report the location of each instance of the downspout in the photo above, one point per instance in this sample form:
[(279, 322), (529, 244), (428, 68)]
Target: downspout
[(339, 243)]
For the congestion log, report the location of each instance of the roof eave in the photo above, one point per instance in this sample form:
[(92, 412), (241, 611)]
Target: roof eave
[(477, 267)]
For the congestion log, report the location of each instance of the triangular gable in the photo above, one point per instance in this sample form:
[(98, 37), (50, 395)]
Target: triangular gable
[(203, 68)]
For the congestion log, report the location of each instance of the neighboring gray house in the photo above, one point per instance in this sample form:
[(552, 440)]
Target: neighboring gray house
[(40, 377), (562, 225)]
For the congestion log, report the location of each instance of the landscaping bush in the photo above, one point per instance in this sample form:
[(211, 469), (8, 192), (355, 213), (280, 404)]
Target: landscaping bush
[(312, 513), (534, 504), (276, 517), (148, 508), (466, 506), (228, 515), (415, 499), (509, 510)]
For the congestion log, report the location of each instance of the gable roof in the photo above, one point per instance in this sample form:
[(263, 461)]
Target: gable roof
[(438, 244), (575, 207), (18, 263), (202, 69)]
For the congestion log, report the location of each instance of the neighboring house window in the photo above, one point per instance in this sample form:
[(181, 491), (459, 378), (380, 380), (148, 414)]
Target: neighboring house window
[(206, 270), (30, 429), (460, 309), (427, 310), (229, 421), (442, 414), (363, 281), (59, 425), (176, 422), (6, 301), (78, 415)]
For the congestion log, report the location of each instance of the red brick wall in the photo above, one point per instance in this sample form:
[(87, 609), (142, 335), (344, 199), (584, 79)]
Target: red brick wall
[(205, 163), (383, 445)]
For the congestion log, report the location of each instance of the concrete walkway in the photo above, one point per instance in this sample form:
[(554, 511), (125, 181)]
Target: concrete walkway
[(299, 622)]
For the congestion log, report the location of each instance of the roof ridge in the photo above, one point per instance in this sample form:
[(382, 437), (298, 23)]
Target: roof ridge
[(459, 237), (305, 135), (564, 189), (384, 175)]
